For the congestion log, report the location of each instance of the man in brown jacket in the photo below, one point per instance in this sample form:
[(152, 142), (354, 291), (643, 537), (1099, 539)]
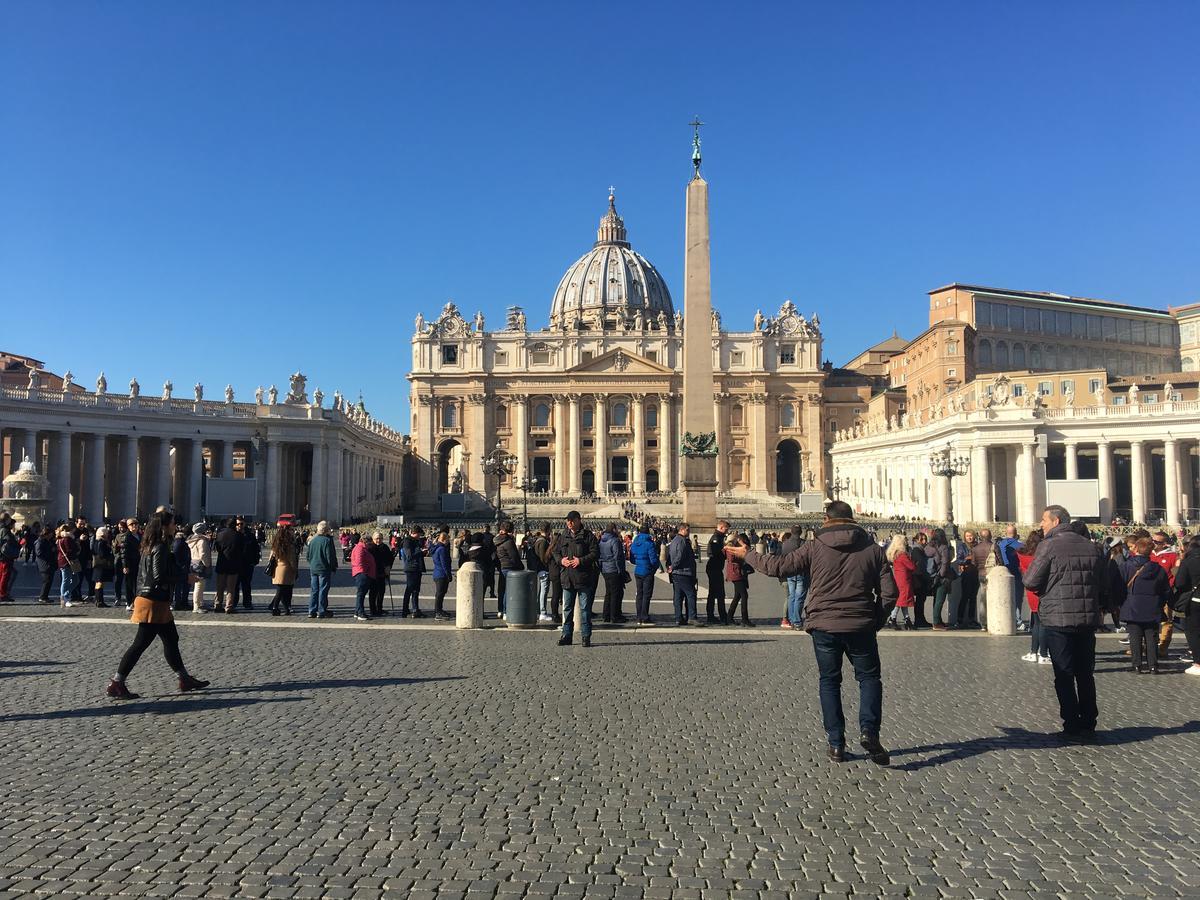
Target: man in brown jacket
[(850, 592)]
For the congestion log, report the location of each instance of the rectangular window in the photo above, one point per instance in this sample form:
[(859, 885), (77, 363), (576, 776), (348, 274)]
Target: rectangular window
[(737, 358), (501, 358), (1118, 400), (541, 445), (1093, 323), (833, 426), (1154, 334), (1047, 321), (1063, 323), (652, 355), (449, 354), (787, 354), (587, 356), (983, 314), (1018, 390), (1093, 385), (653, 442), (588, 442), (999, 315), (1078, 325), (1139, 332), (950, 373), (1066, 386), (1124, 331), (858, 410), (541, 357), (1016, 318), (1045, 388), (1176, 397), (1149, 398), (1108, 328)]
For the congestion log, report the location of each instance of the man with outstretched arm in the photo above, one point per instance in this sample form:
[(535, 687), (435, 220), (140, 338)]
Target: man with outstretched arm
[(850, 593)]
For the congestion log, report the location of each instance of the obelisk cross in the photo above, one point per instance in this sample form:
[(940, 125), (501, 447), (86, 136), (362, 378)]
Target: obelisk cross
[(696, 123)]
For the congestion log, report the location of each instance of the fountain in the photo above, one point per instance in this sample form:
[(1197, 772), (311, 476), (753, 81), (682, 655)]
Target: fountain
[(26, 493)]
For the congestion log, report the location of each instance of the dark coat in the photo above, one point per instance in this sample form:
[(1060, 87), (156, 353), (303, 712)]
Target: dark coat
[(850, 584), (612, 554), (229, 548), (440, 554), (1070, 575), (508, 555), (383, 556), (128, 548), (46, 553), (681, 558), (1187, 576), (1147, 589), (487, 555), (156, 573), (579, 545), (413, 551), (716, 555)]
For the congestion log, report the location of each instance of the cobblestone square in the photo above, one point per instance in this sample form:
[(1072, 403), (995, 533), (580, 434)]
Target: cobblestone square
[(341, 760)]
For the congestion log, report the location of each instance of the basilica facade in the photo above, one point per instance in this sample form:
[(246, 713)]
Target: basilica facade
[(589, 406)]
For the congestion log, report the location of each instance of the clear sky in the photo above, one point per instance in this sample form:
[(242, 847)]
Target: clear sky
[(227, 191)]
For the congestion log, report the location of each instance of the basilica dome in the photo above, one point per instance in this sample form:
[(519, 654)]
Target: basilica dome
[(608, 286)]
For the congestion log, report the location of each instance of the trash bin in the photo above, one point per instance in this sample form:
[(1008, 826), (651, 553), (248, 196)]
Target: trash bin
[(520, 599)]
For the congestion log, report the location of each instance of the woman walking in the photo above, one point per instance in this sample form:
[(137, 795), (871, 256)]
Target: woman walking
[(943, 575), (1039, 648), (152, 608), (738, 573), (68, 564), (904, 570), (200, 548), (1148, 589), (440, 554), (104, 563), (282, 566)]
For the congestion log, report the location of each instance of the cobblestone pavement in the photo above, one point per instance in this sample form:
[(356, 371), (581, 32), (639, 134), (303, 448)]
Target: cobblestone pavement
[(364, 761)]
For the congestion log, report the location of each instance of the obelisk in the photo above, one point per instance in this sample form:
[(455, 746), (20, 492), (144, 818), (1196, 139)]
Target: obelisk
[(698, 449)]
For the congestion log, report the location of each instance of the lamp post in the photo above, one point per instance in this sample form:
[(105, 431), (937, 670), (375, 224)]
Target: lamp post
[(524, 485), (499, 463), (839, 486), (944, 464)]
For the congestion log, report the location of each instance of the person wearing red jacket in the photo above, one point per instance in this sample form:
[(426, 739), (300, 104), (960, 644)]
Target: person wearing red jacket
[(737, 573), (1167, 556), (1039, 652), (362, 568), (904, 571)]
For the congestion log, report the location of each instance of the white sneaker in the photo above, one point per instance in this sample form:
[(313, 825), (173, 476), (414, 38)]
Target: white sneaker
[(1193, 669), (1044, 661), (1123, 640), (1121, 630), (68, 604), (1029, 657), (545, 618)]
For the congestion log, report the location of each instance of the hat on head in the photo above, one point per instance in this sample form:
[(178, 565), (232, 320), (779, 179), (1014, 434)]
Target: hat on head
[(200, 528)]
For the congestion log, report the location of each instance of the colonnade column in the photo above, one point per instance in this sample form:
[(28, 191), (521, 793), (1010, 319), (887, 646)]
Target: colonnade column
[(195, 480), (163, 474), (1137, 477), (666, 453), (227, 459), (600, 442), (981, 487), (1072, 461), (1027, 501), (59, 473), (519, 436), (639, 446), (575, 445), (1171, 465), (758, 431), (273, 480), (30, 447), (127, 450), (720, 417), (316, 500), (335, 502), (561, 436), (1105, 477), (94, 493)]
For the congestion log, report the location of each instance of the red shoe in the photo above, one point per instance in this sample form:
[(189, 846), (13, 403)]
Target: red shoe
[(188, 683), (118, 691), (784, 623)]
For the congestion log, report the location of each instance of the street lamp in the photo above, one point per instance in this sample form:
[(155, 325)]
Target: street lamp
[(839, 486), (524, 486), (944, 464), (500, 463)]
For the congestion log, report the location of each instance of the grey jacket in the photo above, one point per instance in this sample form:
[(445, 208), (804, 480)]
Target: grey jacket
[(1070, 576)]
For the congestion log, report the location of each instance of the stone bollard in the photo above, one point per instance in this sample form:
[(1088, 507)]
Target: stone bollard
[(468, 601), (1000, 616)]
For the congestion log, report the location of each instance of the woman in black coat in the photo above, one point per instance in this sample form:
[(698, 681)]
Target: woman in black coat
[(1147, 589), (45, 551), (1187, 598)]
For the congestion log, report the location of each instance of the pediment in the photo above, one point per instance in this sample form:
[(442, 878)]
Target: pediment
[(622, 362)]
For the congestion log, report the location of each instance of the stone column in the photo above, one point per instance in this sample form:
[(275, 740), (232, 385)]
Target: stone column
[(666, 445), (639, 446), (93, 492), (482, 441), (59, 473), (560, 482), (227, 458), (721, 426), (127, 465), (274, 461), (1012, 486), (195, 480), (1137, 475), (1104, 475), (30, 447), (518, 443), (600, 443), (1072, 461), (335, 495), (1171, 465), (162, 488), (981, 488), (316, 502), (757, 412), (1027, 514), (575, 444)]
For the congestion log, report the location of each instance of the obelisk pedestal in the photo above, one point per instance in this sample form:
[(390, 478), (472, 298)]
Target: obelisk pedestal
[(698, 449)]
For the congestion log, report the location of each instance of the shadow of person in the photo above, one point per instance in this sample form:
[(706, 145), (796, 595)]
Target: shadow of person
[(1023, 739), (682, 642), (36, 662), (158, 706), (329, 683)]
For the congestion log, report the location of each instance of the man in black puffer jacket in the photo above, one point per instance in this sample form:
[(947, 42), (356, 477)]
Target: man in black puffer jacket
[(1070, 575), (1187, 596)]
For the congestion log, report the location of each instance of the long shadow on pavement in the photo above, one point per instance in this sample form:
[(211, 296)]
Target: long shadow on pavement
[(681, 642), (329, 683), (1022, 739), (161, 706)]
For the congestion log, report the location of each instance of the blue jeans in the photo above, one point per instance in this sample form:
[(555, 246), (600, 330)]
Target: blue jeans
[(544, 592), (570, 597), (318, 598), (684, 588), (863, 650), (67, 585), (362, 586), (797, 590)]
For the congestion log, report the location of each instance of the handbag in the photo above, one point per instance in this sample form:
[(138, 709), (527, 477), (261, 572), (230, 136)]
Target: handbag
[(627, 577), (271, 567), (75, 566)]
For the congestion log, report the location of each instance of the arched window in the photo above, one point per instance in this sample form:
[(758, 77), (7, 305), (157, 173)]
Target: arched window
[(449, 416), (1018, 356), (985, 353), (1002, 360), (787, 416), (1189, 364), (620, 415), (589, 417), (1035, 357), (651, 481), (651, 422), (541, 415), (737, 416), (501, 416)]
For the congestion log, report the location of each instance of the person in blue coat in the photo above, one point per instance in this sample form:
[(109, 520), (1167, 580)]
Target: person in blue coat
[(440, 555), (612, 568), (644, 553)]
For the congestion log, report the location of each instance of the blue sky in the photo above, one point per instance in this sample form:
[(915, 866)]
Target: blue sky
[(226, 191)]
